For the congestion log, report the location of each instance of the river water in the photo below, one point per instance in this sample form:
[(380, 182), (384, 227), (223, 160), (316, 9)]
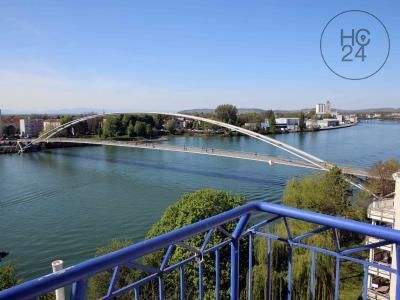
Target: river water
[(65, 203)]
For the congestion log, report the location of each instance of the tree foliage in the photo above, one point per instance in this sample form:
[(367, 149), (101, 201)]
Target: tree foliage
[(192, 208), (140, 128), (111, 127), (189, 209), (98, 284), (302, 122), (8, 277), (327, 193), (170, 126), (227, 113), (9, 130), (271, 121), (381, 182)]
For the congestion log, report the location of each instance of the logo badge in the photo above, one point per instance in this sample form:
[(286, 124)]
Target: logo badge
[(355, 45)]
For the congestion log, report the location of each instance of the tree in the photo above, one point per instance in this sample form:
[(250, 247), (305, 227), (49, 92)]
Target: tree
[(380, 181), (140, 128), (271, 121), (126, 120), (192, 208), (110, 128), (131, 129), (227, 113), (326, 193), (170, 126), (9, 130), (7, 277), (149, 130), (64, 120), (302, 122), (189, 209), (158, 121), (98, 284)]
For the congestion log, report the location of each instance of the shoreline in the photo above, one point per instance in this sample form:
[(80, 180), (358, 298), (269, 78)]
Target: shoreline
[(11, 149)]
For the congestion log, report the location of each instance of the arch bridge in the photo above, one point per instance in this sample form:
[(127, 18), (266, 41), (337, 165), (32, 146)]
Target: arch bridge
[(309, 160)]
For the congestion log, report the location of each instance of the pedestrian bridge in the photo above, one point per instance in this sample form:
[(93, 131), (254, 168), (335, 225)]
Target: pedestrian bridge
[(317, 162), (254, 156)]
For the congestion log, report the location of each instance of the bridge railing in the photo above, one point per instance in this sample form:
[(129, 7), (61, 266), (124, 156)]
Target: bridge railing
[(246, 222)]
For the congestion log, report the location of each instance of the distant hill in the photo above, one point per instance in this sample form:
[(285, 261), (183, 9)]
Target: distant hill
[(211, 111), (370, 110), (197, 111), (282, 111)]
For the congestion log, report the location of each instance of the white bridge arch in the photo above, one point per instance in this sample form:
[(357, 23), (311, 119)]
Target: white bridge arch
[(317, 162)]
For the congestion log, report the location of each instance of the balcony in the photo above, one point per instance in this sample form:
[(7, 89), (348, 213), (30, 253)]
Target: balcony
[(382, 211), (249, 221), (372, 240), (376, 295)]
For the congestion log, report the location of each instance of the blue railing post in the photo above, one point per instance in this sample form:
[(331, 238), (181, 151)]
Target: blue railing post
[(235, 269), (201, 289), (235, 256), (160, 288), (365, 283), (312, 284), (182, 282), (217, 274), (79, 289), (337, 277), (250, 279), (269, 270), (290, 268)]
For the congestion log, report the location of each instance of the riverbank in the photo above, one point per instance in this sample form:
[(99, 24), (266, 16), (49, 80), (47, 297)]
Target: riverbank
[(340, 126), (59, 202)]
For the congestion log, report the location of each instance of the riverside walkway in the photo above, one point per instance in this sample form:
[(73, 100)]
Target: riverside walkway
[(207, 151)]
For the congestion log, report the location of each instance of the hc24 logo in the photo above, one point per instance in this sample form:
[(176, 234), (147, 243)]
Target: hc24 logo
[(361, 37)]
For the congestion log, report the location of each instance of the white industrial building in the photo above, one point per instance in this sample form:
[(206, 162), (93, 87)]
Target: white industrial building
[(323, 108)]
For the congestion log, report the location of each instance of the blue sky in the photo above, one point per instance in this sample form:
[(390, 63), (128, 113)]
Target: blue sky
[(174, 55)]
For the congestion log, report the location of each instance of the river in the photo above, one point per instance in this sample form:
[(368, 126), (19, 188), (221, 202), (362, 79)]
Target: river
[(65, 203)]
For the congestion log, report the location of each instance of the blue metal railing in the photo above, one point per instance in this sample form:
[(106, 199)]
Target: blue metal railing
[(79, 274)]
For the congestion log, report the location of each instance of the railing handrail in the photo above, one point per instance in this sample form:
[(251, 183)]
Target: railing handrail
[(93, 266)]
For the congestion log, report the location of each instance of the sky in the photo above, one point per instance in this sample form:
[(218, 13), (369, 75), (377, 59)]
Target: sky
[(175, 55)]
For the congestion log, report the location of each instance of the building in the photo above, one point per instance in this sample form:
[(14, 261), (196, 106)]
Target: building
[(252, 125), (265, 124), (289, 123), (1, 125), (328, 123), (351, 118), (338, 116), (30, 127), (51, 124), (384, 212), (323, 108), (312, 123)]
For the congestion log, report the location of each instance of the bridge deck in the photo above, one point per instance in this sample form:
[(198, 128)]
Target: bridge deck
[(208, 151)]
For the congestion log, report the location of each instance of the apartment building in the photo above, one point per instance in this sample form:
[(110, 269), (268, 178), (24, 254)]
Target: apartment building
[(384, 212)]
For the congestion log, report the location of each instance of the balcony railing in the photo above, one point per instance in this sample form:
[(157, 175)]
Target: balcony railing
[(382, 210), (267, 213), (372, 240), (374, 295)]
